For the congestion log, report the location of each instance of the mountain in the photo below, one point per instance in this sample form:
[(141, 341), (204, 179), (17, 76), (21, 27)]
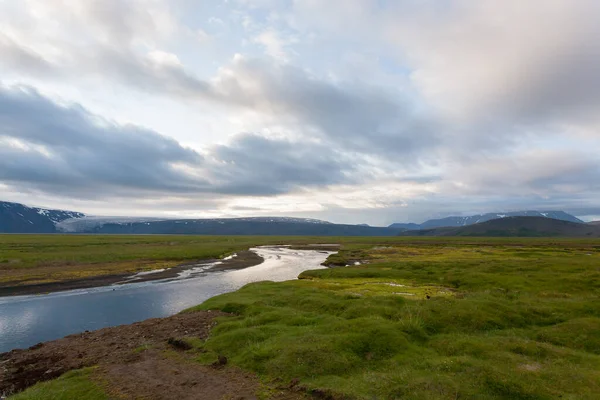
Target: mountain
[(408, 226), (594, 223), (475, 219), (240, 226), (19, 218), (515, 227)]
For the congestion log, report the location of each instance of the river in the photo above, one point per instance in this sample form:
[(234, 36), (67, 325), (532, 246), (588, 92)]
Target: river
[(27, 320)]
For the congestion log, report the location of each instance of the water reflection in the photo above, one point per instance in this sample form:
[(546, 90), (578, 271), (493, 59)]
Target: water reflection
[(26, 320)]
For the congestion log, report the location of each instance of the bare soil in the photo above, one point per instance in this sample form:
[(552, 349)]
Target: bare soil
[(145, 360), (243, 260)]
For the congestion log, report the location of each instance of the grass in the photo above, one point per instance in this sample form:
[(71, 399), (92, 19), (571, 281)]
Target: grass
[(31, 259), (436, 319), (419, 318), (75, 384)]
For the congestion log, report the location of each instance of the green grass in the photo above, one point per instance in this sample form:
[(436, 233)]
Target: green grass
[(419, 318), (28, 259), (72, 385), (505, 319)]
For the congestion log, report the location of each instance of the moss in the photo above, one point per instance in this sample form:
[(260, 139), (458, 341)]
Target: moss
[(486, 319)]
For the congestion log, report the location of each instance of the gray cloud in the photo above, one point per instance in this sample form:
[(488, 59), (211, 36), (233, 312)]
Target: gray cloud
[(19, 58), (253, 164), (547, 174), (147, 74), (349, 116), (353, 116), (51, 145), (356, 117), (506, 62), (67, 150)]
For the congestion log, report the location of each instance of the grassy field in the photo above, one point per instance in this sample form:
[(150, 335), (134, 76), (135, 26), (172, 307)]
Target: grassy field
[(437, 319), (32, 259), (419, 318)]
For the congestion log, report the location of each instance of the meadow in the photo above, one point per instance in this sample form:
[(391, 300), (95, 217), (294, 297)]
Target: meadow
[(438, 319), (34, 259), (409, 318)]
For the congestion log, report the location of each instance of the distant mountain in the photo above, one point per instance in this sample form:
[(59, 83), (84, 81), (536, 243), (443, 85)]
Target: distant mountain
[(517, 227), (594, 223), (241, 226), (475, 219), (408, 226), (19, 218)]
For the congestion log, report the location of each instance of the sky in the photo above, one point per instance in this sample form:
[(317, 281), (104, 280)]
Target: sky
[(352, 111)]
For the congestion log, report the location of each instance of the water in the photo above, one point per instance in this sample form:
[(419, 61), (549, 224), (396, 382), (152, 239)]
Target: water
[(27, 320)]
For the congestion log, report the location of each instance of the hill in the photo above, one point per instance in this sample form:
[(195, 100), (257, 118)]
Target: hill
[(457, 221), (516, 227), (19, 218)]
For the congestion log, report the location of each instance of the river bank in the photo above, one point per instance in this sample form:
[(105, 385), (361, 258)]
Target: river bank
[(242, 259), (26, 320), (152, 359)]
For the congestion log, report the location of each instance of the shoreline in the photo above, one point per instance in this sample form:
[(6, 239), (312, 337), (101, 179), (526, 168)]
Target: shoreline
[(244, 259)]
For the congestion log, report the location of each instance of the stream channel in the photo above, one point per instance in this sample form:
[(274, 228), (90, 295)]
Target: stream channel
[(27, 320)]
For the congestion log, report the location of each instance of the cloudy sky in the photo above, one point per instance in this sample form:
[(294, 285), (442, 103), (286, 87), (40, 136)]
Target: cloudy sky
[(354, 111)]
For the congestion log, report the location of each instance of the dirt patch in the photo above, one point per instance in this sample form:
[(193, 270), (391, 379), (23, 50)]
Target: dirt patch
[(136, 361), (159, 377), (534, 367), (244, 259)]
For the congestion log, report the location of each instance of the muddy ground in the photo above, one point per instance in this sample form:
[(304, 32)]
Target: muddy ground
[(244, 259), (143, 360)]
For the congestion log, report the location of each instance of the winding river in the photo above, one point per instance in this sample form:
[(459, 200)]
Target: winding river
[(27, 320)]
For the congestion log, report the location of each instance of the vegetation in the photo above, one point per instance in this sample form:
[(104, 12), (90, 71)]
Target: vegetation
[(71, 385), (416, 318), (429, 319), (30, 259)]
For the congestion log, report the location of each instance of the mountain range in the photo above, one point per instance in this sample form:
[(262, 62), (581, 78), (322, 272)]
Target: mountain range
[(520, 226), (19, 218), (475, 219)]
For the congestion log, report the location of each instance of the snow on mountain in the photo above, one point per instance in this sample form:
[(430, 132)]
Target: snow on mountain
[(456, 221), (19, 218)]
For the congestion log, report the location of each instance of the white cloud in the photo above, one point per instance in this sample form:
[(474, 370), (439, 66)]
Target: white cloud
[(276, 46)]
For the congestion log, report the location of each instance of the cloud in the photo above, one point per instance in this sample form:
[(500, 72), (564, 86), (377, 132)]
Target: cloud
[(536, 173), (476, 106), (353, 116), (256, 165), (275, 44), (65, 149), (508, 62), (15, 57), (358, 116)]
